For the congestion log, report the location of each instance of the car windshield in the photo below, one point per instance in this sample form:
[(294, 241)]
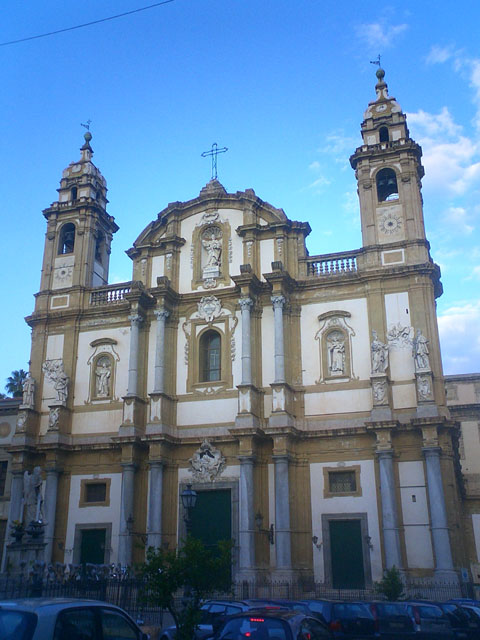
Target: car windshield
[(352, 610), (386, 609), (17, 625), (255, 628)]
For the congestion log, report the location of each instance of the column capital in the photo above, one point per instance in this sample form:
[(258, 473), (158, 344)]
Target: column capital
[(278, 301), (156, 464), (245, 304), (246, 459), (129, 466), (385, 453), (431, 452), (135, 319), (161, 314)]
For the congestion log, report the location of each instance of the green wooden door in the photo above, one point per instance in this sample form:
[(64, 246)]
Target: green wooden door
[(212, 516), (92, 548), (346, 551)]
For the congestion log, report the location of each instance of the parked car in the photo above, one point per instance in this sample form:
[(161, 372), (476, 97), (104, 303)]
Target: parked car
[(430, 621), (213, 613), (394, 622), (270, 624), (65, 619), (463, 623), (353, 620)]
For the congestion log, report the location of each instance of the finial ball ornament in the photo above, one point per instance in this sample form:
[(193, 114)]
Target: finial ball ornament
[(380, 73), (87, 136)]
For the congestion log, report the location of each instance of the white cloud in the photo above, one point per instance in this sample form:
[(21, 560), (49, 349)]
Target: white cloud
[(439, 55), (457, 217), (475, 275), (460, 339), (380, 34), (319, 183), (452, 160)]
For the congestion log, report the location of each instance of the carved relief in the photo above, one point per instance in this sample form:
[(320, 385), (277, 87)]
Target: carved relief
[(399, 336), (379, 389), (207, 463), (53, 418), (424, 387), (209, 308), (54, 372)]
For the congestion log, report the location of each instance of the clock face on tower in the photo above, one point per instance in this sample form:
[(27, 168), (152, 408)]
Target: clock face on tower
[(390, 223)]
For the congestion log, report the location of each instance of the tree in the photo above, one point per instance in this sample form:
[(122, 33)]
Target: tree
[(197, 570), (391, 585), (15, 383)]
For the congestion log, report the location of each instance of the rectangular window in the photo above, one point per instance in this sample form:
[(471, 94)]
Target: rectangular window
[(95, 493), (342, 481), (3, 476)]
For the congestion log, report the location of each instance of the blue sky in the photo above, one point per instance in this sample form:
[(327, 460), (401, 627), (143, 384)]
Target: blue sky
[(282, 84)]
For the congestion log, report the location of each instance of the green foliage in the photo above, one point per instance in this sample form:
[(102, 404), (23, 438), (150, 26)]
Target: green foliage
[(196, 569), (391, 585), (15, 383)]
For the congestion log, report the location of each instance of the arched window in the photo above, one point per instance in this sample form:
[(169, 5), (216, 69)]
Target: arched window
[(67, 239), (384, 137), (387, 188), (210, 356), (99, 244), (74, 193)]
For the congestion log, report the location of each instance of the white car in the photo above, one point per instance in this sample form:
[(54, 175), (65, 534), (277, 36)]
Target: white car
[(65, 619)]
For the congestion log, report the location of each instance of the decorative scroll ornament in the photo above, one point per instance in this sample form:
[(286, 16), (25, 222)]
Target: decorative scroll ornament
[(207, 463), (209, 308), (424, 388)]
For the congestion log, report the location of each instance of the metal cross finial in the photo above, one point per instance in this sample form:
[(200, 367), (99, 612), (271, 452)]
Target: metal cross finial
[(377, 61), (214, 151), (87, 126)]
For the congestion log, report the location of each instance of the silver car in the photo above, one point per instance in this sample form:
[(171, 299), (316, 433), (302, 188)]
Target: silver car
[(65, 619)]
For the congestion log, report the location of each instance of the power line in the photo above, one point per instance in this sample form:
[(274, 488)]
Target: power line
[(86, 24)]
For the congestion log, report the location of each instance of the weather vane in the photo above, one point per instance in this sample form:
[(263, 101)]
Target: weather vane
[(87, 126), (377, 61), (214, 151)]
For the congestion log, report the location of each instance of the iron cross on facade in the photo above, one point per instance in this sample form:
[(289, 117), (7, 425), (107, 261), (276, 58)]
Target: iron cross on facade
[(214, 151)]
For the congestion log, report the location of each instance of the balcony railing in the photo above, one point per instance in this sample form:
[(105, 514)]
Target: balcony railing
[(113, 294), (332, 264)]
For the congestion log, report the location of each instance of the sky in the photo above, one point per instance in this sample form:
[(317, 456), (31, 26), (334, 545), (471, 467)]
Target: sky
[(282, 84)]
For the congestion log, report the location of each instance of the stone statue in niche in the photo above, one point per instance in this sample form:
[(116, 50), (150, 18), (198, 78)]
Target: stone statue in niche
[(420, 351), (102, 377), (336, 353), (28, 388), (212, 245), (32, 496), (379, 355)]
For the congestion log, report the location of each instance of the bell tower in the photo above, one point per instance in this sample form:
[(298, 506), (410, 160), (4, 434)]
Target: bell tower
[(79, 229), (389, 171)]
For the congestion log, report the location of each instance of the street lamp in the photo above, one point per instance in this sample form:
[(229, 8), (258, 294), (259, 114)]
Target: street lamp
[(270, 531), (189, 499)]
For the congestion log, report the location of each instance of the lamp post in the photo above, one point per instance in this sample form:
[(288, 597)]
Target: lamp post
[(189, 499)]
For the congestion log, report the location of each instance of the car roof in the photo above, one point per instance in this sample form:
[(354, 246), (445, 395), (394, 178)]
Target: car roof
[(268, 613), (32, 604)]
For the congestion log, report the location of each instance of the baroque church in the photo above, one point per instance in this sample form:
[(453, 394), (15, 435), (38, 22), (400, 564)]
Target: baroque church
[(302, 397)]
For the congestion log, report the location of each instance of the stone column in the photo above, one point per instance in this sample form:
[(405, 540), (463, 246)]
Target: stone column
[(159, 372), (245, 305), (438, 513), (391, 537), (15, 510), (246, 515), (50, 505), (279, 354), (135, 320), (282, 514), (155, 484), (126, 514)]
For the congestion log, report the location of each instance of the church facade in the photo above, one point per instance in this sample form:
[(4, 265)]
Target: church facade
[(301, 396)]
